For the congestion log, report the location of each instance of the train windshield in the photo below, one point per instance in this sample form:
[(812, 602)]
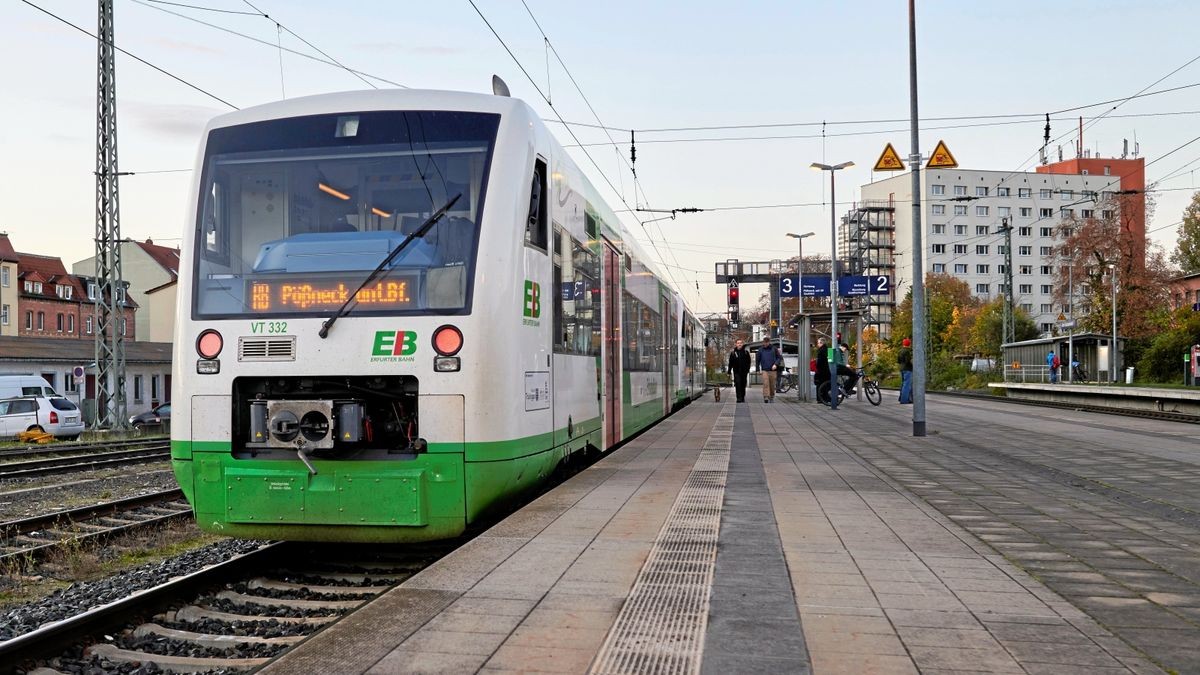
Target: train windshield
[(294, 214)]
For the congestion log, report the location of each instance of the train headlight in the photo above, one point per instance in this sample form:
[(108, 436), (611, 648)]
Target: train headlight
[(447, 341), (209, 344), (446, 364)]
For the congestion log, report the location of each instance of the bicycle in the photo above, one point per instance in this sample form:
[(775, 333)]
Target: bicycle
[(785, 382), (870, 388)]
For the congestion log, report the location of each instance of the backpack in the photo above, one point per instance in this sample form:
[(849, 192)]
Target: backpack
[(1055, 363)]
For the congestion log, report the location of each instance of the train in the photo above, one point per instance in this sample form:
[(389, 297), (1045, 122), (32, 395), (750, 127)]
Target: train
[(401, 310)]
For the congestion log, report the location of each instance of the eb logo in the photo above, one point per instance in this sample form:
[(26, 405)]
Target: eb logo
[(533, 299), (394, 343)]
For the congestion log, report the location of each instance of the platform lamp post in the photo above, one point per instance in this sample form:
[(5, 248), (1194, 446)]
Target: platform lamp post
[(833, 275), (1071, 315), (801, 338)]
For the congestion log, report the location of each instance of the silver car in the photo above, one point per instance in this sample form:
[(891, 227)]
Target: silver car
[(57, 416)]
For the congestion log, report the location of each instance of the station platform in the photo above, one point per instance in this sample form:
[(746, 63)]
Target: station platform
[(1182, 401), (737, 538)]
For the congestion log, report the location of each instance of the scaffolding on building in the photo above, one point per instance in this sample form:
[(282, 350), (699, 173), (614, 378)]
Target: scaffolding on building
[(868, 247)]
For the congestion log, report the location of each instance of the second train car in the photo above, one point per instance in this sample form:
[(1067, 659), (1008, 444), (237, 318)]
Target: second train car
[(507, 321)]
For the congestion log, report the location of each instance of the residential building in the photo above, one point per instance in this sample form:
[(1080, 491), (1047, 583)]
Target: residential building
[(145, 266), (1123, 189), (969, 244), (49, 298), (10, 306), (161, 306), (1185, 291)]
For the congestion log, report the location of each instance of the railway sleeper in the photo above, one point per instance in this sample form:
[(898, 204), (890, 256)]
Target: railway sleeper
[(210, 640), (195, 613), (243, 599), (350, 578), (180, 664), (270, 584)]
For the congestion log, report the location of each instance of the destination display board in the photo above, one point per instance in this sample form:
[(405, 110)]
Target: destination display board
[(848, 286), (295, 293)]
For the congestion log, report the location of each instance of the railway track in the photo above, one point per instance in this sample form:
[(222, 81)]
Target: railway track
[(25, 451), (1127, 412), (33, 538), (83, 462), (238, 614)]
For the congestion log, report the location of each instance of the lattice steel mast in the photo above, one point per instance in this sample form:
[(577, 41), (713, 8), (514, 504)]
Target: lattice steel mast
[(110, 339)]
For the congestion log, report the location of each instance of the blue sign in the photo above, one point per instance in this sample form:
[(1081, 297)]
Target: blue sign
[(818, 286)]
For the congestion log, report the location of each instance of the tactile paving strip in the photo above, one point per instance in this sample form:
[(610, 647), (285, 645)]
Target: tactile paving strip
[(660, 629)]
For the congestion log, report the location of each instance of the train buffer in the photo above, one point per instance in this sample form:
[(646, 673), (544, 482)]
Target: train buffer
[(771, 538)]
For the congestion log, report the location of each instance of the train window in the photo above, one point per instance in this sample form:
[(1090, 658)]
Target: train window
[(535, 224), (642, 331), (576, 280)]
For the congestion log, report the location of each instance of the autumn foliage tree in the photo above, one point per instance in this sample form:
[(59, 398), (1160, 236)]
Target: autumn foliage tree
[(1186, 255)]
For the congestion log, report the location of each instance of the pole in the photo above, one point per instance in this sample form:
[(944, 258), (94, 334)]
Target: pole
[(833, 294), (801, 337), (918, 263), (1010, 325), (1112, 351), (1071, 320)]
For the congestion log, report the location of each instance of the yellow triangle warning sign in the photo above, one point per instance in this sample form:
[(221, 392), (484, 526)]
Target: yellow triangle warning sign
[(941, 158), (889, 160)]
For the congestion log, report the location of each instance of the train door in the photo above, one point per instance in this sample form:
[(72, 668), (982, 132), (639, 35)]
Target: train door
[(611, 339), (668, 360)]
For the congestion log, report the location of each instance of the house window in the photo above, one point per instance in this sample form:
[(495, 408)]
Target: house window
[(960, 268), (41, 321), (1106, 214), (1046, 213), (981, 210), (981, 191), (1046, 232), (91, 290), (960, 210), (1024, 250), (1066, 195), (983, 289), (939, 248), (123, 323), (981, 229), (153, 387), (1026, 212), (1068, 213), (1047, 308), (1026, 269), (1001, 269), (58, 325), (939, 228), (69, 382), (63, 292), (28, 320), (960, 229), (938, 209), (960, 249), (88, 323), (1107, 194), (960, 190), (3, 276), (70, 323), (1025, 289), (3, 315), (1047, 289), (983, 269), (1087, 213), (121, 295), (1045, 193), (937, 189), (1001, 249), (1025, 231), (1024, 193), (137, 389), (1002, 192), (939, 268), (981, 249), (1067, 232), (1047, 269), (1047, 251), (1003, 211)]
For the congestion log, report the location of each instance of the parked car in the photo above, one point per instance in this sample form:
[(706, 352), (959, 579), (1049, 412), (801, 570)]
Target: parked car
[(156, 416), (57, 416)]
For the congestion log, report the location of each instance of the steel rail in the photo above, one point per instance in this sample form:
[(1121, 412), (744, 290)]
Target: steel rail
[(55, 465), (65, 447), (51, 638)]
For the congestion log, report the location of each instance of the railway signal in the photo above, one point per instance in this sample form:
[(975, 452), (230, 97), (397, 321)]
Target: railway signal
[(733, 293)]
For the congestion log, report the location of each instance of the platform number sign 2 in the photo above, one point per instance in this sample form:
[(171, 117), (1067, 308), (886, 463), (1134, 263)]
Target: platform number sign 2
[(880, 285)]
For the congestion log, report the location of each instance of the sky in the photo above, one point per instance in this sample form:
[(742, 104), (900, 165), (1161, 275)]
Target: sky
[(641, 64)]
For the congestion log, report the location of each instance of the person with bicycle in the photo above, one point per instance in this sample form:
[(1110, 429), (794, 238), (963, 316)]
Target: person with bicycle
[(843, 355)]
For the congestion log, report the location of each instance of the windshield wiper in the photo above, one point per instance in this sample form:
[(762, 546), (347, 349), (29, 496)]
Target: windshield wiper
[(420, 232)]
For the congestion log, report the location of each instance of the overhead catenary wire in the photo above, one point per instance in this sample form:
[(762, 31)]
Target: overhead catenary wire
[(311, 45)]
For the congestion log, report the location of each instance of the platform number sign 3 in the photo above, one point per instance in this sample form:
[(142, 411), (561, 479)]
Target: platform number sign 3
[(787, 286)]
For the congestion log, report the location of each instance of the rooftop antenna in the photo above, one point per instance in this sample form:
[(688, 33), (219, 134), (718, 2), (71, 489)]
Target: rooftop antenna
[(1079, 147), (1137, 148), (1124, 148), (1060, 153), (499, 88)]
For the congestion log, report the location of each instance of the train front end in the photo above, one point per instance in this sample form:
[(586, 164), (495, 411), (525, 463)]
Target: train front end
[(310, 405)]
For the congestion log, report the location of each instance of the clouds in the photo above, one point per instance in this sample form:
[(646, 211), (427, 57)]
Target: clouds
[(404, 48), (178, 121), (182, 46)]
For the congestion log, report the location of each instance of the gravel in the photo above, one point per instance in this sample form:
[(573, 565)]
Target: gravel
[(231, 607), (301, 593), (23, 498), (157, 644), (267, 628), (80, 597)]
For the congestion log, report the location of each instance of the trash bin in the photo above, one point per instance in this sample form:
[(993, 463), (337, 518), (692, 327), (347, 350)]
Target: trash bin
[(1129, 375)]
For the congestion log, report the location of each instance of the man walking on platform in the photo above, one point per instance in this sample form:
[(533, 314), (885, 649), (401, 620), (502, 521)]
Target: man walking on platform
[(739, 367), (906, 370), (1052, 364), (770, 362)]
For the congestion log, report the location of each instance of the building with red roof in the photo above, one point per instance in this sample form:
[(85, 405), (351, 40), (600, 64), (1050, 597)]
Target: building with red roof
[(144, 266)]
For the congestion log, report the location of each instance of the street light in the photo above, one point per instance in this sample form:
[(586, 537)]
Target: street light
[(1071, 315), (833, 275), (801, 336), (1112, 355)]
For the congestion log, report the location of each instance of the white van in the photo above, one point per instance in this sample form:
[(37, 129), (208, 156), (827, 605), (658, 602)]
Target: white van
[(25, 385)]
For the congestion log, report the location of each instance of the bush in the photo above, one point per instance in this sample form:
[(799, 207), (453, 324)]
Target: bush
[(1162, 361), (947, 373)]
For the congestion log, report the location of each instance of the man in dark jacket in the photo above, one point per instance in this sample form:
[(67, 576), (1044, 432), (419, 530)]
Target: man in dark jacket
[(770, 364), (739, 367)]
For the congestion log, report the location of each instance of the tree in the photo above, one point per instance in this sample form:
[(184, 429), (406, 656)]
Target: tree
[(943, 294), (987, 333), (1186, 255), (1093, 248)]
